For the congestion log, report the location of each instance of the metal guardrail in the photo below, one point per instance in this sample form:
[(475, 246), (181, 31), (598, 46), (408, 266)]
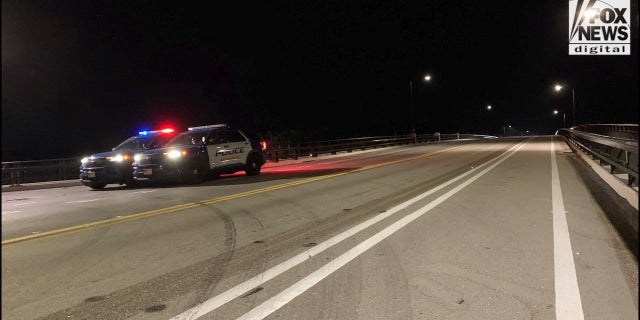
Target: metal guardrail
[(624, 131), (288, 149), (17, 172), (618, 149)]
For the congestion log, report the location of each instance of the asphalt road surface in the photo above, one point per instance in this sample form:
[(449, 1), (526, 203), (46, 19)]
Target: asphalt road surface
[(490, 229)]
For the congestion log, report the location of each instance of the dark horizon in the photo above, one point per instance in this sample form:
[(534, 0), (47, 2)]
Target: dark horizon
[(79, 77)]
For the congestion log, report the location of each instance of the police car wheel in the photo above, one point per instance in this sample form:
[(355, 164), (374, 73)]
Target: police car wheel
[(97, 186), (197, 174), (253, 166)]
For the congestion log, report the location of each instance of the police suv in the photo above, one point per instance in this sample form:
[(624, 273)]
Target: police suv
[(200, 153), (115, 166)]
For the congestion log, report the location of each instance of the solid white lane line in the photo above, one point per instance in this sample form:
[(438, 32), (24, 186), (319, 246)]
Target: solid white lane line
[(279, 300), (273, 272), (8, 212), (568, 302), (82, 201)]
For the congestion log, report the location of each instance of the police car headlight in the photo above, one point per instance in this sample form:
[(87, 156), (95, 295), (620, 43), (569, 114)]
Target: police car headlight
[(174, 154), (84, 160), (117, 158), (137, 157)]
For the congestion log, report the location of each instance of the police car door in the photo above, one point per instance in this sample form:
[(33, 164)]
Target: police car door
[(237, 144), (218, 150)]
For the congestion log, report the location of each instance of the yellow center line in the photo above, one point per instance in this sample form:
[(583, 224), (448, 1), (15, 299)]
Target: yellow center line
[(185, 206)]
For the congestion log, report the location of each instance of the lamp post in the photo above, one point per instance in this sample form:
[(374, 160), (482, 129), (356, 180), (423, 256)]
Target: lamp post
[(558, 88), (486, 118), (426, 78), (564, 117), (504, 130)]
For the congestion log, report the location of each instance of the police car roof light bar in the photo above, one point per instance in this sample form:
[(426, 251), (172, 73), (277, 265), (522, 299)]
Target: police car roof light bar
[(167, 130), (222, 125)]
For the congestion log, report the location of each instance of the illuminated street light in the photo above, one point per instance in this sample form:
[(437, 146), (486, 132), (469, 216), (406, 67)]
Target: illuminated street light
[(427, 78), (564, 117), (559, 88), (504, 130), (486, 120)]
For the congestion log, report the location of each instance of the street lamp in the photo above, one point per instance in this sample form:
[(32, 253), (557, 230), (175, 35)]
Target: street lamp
[(564, 117), (504, 130), (486, 119), (558, 88), (427, 78)]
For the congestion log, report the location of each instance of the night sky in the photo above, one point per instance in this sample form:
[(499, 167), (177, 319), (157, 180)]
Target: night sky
[(81, 76)]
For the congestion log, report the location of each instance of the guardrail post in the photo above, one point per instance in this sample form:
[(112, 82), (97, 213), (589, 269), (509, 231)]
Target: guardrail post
[(17, 180), (626, 158), (62, 177)]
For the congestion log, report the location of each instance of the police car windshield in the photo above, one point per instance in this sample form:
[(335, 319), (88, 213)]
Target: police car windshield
[(189, 137), (136, 143)]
